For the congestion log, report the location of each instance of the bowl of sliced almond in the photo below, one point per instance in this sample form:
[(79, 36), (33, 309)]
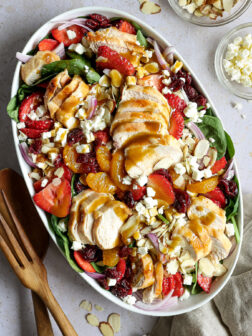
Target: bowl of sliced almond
[(209, 13)]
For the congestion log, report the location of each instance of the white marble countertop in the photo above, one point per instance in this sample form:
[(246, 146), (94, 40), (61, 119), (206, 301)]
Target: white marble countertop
[(18, 20)]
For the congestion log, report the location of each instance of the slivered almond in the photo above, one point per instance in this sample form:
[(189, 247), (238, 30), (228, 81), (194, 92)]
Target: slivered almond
[(148, 7), (115, 321), (212, 153), (86, 305), (98, 307), (106, 329), (92, 320)]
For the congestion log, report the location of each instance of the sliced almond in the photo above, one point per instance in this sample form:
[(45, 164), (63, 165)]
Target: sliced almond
[(115, 321), (148, 7), (106, 329), (98, 307), (212, 153), (86, 305), (92, 320), (218, 4), (228, 5), (201, 149), (206, 160)]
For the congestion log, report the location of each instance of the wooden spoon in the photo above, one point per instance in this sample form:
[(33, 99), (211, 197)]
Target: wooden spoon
[(15, 189)]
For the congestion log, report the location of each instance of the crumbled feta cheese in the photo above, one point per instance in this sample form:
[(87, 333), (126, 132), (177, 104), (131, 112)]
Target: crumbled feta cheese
[(42, 165), (179, 168), (20, 125), (78, 48), (230, 229), (83, 149), (35, 176), (166, 73), (166, 81), (142, 180), (46, 135), (142, 250), (81, 114), (61, 136), (166, 90), (140, 208), (111, 282), (149, 53), (32, 115), (71, 34), (185, 296), (62, 225), (191, 112), (197, 175), (135, 187), (151, 192), (90, 137), (172, 266), (207, 173), (76, 245), (127, 180), (161, 210), (129, 299), (22, 136), (44, 182), (52, 156), (40, 111), (150, 202), (187, 279)]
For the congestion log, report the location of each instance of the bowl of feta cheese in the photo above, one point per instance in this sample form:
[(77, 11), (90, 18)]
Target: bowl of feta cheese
[(233, 61)]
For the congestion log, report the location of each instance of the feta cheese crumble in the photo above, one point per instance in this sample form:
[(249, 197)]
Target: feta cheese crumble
[(130, 299), (230, 229), (71, 34)]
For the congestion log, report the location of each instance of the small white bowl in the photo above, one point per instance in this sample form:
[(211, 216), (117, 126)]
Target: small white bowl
[(234, 87), (194, 301)]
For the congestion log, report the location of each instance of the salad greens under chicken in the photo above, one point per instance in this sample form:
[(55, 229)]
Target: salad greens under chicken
[(129, 161)]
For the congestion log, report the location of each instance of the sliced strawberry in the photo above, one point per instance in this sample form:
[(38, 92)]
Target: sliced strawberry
[(168, 285), (85, 265), (110, 59), (44, 84), (102, 137), (121, 268), (126, 27), (153, 81), (179, 289), (43, 125), (162, 187), (138, 193), (55, 198), (204, 282), (67, 172), (47, 44), (175, 102), (176, 124), (61, 35), (28, 104), (32, 133), (38, 184), (219, 164), (217, 197)]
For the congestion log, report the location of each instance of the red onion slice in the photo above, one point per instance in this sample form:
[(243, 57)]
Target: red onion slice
[(229, 174), (92, 104), (23, 57), (154, 239), (167, 302), (95, 275), (67, 23), (195, 130), (169, 54), (60, 50), (159, 55), (24, 151)]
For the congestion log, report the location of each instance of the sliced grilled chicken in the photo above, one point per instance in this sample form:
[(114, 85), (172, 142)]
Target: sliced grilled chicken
[(55, 85), (210, 268), (142, 157), (65, 114), (111, 37), (30, 71), (221, 245), (138, 92), (108, 221), (143, 276)]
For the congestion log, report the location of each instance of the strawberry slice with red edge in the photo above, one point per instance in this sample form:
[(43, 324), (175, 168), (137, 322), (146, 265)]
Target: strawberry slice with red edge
[(102, 137), (162, 187), (138, 193), (67, 172), (219, 164), (28, 104), (176, 125), (38, 184), (204, 282), (217, 196), (61, 35), (32, 133), (47, 44), (82, 263), (168, 285), (121, 268), (43, 125), (153, 81), (125, 27), (175, 102), (55, 198), (178, 289), (108, 58)]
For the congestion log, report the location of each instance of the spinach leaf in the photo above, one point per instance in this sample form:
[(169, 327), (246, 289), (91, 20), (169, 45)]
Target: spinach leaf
[(35, 50), (212, 128), (74, 55), (200, 108), (92, 76), (99, 269), (195, 289), (209, 112), (12, 108), (141, 39), (230, 146), (72, 185), (237, 234), (233, 204), (63, 242), (164, 219)]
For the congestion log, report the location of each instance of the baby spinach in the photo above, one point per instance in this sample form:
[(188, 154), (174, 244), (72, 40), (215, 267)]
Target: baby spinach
[(209, 112), (237, 234), (230, 145), (12, 108), (233, 203), (195, 288), (63, 242), (141, 39), (72, 185), (99, 269), (211, 127)]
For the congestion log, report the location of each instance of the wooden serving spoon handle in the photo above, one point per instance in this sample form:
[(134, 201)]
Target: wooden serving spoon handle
[(43, 323)]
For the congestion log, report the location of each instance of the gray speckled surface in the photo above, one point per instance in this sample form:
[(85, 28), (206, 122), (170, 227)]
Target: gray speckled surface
[(18, 20)]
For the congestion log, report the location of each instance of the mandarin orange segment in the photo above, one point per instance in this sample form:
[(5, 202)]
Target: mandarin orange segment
[(117, 171), (204, 186), (101, 182), (159, 275), (110, 257), (103, 156), (70, 160)]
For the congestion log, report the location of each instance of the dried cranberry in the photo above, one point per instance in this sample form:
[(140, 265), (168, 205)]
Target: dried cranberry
[(105, 24), (35, 146), (91, 253), (90, 165), (103, 283), (177, 84), (74, 136), (200, 100), (122, 288), (182, 200), (98, 17), (190, 92), (58, 161), (111, 273), (124, 251), (229, 188), (185, 75), (79, 187), (102, 137), (92, 24), (128, 273), (128, 199), (165, 173)]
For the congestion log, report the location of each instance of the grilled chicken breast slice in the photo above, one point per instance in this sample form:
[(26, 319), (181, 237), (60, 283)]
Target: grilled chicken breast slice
[(138, 92)]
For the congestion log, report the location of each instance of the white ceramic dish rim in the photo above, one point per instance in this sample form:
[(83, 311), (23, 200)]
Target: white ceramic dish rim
[(194, 301)]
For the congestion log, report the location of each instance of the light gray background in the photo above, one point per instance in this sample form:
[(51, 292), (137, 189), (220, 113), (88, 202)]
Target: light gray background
[(18, 20)]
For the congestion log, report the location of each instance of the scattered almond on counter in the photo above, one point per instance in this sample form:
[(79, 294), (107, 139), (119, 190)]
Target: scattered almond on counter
[(98, 307), (149, 7), (86, 305), (106, 329), (115, 321), (92, 320)]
